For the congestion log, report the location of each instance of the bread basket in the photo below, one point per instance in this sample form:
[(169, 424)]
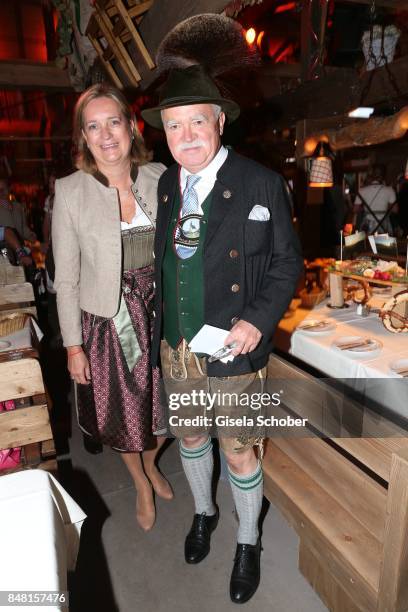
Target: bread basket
[(11, 323), (312, 298)]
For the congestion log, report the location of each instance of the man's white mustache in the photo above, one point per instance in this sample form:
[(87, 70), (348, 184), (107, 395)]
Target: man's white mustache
[(190, 145)]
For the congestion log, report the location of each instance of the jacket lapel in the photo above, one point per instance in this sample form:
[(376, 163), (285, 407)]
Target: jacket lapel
[(145, 192), (224, 198), (166, 193)]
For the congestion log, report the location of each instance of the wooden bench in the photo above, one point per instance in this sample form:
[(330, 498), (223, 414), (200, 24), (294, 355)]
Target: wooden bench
[(347, 498), (28, 425)]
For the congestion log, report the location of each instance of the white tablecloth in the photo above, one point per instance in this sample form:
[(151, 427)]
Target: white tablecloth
[(384, 387), (40, 527), (18, 340)]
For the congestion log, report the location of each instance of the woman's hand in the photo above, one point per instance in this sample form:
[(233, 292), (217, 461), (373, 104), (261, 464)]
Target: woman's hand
[(78, 365)]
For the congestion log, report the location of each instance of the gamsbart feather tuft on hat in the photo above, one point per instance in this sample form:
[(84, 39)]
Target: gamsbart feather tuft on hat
[(193, 55), (215, 41)]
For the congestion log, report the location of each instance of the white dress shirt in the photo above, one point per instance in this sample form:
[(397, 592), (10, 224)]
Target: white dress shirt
[(208, 176), (378, 197)]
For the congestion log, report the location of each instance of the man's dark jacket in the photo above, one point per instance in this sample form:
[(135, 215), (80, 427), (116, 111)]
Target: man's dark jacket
[(250, 267)]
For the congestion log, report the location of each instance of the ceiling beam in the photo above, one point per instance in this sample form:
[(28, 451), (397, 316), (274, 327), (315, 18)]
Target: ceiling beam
[(346, 132), (20, 74), (338, 92)]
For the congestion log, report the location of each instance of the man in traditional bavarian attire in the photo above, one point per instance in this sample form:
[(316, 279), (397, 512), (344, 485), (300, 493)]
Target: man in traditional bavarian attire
[(225, 255)]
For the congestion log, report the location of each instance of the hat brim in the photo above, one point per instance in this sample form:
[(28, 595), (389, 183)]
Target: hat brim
[(152, 116)]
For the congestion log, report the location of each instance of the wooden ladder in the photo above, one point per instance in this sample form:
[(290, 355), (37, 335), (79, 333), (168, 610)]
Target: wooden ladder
[(112, 32)]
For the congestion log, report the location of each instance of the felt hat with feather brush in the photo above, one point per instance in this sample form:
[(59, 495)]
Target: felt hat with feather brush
[(186, 86), (195, 54)]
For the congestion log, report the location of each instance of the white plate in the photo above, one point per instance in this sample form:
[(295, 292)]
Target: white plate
[(316, 326), (381, 290), (399, 364), (4, 344), (372, 346)]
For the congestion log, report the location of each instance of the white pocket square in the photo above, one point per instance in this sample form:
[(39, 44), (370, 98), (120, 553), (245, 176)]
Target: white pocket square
[(259, 213)]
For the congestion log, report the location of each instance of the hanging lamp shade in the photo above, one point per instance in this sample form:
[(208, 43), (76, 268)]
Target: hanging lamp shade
[(321, 170)]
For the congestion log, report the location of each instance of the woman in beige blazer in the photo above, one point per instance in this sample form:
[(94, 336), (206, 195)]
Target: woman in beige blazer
[(102, 230)]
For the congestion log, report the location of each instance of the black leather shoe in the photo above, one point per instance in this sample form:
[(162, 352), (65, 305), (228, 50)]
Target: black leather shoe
[(246, 572), (197, 544)]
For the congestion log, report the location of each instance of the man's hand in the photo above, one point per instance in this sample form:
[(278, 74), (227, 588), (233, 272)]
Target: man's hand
[(245, 335)]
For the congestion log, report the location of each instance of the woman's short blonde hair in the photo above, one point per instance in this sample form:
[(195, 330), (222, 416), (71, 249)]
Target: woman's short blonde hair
[(84, 160)]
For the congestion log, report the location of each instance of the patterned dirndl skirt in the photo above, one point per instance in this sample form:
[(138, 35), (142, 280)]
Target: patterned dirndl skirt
[(122, 408)]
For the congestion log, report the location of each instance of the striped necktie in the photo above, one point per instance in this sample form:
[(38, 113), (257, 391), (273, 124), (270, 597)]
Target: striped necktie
[(187, 235)]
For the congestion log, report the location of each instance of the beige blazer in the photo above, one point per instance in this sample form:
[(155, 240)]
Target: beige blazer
[(87, 244)]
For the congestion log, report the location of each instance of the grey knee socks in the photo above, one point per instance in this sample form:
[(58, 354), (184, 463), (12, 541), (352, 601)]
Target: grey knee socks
[(198, 466), (247, 492)]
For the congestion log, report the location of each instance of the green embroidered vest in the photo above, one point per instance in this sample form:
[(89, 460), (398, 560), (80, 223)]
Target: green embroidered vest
[(183, 283)]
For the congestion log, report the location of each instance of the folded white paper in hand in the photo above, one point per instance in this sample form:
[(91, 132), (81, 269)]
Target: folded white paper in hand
[(259, 213), (210, 339)]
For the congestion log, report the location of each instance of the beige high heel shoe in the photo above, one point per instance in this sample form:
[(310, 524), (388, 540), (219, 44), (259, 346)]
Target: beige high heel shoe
[(145, 510), (161, 486)]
